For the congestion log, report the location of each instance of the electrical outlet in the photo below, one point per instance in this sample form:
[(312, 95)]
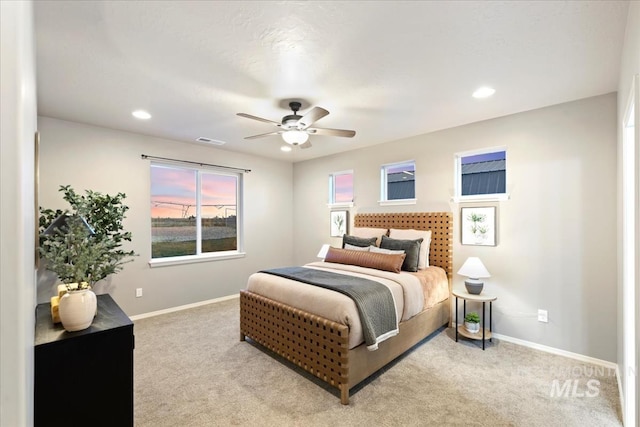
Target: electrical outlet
[(543, 316), (138, 292)]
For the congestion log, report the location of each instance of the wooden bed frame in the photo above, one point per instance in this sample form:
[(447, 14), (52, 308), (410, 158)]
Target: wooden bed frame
[(320, 346)]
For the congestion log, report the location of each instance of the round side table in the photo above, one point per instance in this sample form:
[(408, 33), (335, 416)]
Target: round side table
[(484, 333)]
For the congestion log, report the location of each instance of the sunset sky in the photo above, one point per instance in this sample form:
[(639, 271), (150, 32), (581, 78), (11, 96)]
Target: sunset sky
[(174, 190), (344, 188)]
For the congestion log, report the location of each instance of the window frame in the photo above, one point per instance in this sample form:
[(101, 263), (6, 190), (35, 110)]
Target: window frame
[(384, 201), (332, 190), (207, 256), (457, 177)]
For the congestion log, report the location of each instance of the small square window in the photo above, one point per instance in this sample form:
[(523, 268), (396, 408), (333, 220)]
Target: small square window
[(341, 188), (481, 174), (397, 181)]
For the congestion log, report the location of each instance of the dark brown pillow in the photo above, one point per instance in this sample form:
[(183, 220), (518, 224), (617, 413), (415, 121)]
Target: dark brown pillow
[(385, 262)]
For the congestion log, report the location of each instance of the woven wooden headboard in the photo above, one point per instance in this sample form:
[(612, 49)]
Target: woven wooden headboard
[(440, 224)]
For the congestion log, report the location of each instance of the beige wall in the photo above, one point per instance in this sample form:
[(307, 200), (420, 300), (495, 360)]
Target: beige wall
[(556, 235), (108, 161), (17, 218)]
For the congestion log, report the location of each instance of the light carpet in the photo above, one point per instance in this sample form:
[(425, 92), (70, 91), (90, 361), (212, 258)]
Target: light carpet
[(191, 369)]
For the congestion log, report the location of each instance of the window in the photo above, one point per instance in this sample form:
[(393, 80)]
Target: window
[(341, 188), (194, 213), (398, 183), (481, 174)]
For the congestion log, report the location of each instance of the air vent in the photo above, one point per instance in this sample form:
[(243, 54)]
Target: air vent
[(210, 141)]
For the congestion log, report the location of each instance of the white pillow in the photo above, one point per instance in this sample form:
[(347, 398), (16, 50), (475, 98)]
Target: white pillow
[(423, 262), (356, 248), (367, 233), (384, 251)]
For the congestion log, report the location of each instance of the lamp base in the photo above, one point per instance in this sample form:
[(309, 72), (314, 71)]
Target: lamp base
[(474, 287)]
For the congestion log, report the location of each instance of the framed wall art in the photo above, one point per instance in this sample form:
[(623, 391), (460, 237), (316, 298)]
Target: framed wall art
[(339, 223), (478, 226)]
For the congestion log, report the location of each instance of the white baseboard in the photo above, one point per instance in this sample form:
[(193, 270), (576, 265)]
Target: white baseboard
[(182, 307), (576, 356), (553, 350)]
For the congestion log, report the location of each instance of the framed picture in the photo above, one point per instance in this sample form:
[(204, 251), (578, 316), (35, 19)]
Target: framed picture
[(478, 226), (339, 223)]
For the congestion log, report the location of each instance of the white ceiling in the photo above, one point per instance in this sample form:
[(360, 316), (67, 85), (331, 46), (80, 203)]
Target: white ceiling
[(388, 70)]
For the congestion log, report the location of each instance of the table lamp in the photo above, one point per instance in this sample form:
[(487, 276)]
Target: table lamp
[(474, 270)]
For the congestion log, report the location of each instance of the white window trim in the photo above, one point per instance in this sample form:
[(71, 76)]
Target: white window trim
[(207, 256), (341, 205), (191, 259), (482, 198), (397, 202), (457, 178), (332, 182)]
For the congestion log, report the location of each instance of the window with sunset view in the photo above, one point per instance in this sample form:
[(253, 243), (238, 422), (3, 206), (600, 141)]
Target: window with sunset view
[(194, 212), (341, 188)]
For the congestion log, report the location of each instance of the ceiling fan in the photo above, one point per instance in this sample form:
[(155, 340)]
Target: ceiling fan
[(295, 129)]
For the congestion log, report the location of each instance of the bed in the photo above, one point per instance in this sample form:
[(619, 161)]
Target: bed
[(322, 346)]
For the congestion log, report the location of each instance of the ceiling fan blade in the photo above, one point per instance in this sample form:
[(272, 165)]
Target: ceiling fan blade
[(315, 114), (305, 145), (332, 132), (260, 119), (263, 135)]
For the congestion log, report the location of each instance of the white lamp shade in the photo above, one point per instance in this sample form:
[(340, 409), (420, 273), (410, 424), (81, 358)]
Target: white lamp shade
[(474, 269), (323, 250), (295, 137)]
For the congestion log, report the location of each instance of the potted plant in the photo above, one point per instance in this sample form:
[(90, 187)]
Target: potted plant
[(82, 246), (472, 322)]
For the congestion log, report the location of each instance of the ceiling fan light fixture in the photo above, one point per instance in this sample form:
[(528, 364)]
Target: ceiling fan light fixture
[(295, 137)]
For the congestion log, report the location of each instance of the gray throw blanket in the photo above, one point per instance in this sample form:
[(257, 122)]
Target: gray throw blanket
[(374, 300)]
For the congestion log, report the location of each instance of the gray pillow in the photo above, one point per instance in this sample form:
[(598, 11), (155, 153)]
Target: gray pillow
[(410, 247), (358, 241)]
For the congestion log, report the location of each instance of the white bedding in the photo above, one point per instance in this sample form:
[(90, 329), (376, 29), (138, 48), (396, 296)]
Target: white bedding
[(406, 288)]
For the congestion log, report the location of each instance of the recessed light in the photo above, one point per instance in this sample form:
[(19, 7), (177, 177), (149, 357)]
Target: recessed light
[(285, 148), (141, 114), (484, 92)]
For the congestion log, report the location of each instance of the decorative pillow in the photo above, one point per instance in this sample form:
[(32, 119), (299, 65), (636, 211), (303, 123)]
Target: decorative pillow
[(357, 248), (411, 249), (385, 262), (383, 251), (368, 232), (357, 241), (423, 263)]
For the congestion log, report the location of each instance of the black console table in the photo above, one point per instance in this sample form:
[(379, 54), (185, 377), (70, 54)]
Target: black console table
[(84, 378)]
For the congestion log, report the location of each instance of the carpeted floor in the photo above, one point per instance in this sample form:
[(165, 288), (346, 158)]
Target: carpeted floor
[(191, 369)]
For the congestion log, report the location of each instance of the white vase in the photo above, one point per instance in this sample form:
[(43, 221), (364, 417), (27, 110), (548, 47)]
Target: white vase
[(77, 309), (472, 327)]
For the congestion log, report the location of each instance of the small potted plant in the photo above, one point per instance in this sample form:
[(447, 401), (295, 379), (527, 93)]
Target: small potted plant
[(472, 322)]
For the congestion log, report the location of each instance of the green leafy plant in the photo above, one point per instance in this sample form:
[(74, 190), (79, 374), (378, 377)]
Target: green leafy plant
[(472, 317), (72, 252), (476, 220)]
